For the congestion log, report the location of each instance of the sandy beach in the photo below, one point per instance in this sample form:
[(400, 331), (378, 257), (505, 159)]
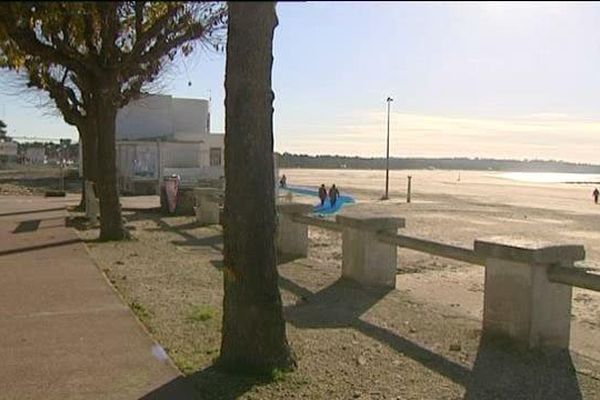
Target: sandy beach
[(479, 205)]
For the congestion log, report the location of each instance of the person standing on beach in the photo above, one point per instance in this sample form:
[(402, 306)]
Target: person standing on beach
[(596, 193), (333, 195), (322, 194)]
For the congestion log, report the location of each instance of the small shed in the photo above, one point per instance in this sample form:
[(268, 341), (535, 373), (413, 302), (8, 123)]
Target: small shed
[(141, 165)]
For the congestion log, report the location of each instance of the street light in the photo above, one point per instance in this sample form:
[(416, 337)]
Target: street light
[(387, 160)]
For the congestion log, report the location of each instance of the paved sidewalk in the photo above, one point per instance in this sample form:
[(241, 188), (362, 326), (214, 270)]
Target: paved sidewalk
[(64, 332)]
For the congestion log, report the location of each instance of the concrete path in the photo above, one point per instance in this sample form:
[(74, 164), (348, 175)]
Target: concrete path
[(64, 332)]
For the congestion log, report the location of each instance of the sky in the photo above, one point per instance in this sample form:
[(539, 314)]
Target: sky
[(493, 79)]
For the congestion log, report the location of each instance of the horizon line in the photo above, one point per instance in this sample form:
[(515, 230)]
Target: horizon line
[(437, 158)]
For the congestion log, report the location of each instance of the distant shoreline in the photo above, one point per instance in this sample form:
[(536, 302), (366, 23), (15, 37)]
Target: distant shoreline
[(287, 160)]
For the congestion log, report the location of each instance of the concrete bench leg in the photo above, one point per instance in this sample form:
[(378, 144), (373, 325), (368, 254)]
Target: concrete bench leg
[(292, 237), (207, 207), (207, 212), (92, 205), (365, 259), (520, 303)]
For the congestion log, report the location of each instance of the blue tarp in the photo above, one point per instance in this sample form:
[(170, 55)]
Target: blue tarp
[(327, 208)]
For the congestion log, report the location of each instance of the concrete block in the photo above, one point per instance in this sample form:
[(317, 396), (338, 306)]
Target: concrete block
[(365, 259), (519, 301), (186, 202), (292, 237), (528, 250), (92, 204), (207, 207)]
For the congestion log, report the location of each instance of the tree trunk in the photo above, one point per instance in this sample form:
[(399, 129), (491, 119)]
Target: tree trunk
[(111, 224), (253, 333), (89, 146)]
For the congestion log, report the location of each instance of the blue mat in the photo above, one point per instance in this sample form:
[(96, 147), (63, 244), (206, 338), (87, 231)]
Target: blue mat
[(326, 208)]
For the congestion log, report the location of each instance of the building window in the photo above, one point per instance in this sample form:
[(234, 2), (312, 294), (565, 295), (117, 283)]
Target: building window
[(215, 156)]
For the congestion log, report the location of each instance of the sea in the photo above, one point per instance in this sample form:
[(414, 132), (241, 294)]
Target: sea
[(550, 177)]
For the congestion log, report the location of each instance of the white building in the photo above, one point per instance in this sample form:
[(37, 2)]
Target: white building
[(160, 135), (163, 117)]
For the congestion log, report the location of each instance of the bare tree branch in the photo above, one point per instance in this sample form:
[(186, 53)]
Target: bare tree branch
[(145, 37)]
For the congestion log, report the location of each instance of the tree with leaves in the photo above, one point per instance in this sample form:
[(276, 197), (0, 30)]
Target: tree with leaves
[(92, 58), (73, 112), (253, 332), (3, 131)]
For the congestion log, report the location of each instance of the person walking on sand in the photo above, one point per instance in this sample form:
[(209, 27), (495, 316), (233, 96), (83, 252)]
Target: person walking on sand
[(333, 195), (322, 194), (596, 193), (283, 182)]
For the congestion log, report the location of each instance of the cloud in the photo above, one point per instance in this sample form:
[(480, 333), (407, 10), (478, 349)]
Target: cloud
[(539, 135), (547, 116)]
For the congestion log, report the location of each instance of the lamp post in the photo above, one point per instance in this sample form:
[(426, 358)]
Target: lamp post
[(387, 160)]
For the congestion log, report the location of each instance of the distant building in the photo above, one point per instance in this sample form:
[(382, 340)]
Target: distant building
[(8, 152), (35, 155), (160, 135)]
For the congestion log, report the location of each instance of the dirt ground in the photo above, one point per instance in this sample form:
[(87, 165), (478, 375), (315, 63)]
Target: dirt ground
[(421, 341), (350, 342), (36, 180)]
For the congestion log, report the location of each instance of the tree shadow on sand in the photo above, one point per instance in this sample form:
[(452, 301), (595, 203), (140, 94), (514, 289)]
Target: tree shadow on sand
[(341, 305), (500, 371), (215, 241), (505, 372), (207, 384)]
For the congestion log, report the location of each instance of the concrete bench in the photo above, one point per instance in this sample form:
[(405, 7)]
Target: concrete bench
[(520, 302), (528, 283), (365, 259), (292, 237), (208, 206)]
